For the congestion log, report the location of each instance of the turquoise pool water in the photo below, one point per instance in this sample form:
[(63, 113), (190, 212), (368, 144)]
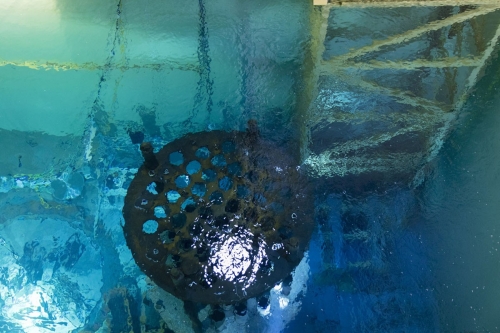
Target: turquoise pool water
[(391, 113)]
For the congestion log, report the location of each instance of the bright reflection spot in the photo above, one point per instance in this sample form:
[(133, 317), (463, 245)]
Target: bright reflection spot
[(283, 302), (264, 312), (233, 258), (34, 299), (277, 246), (32, 307)]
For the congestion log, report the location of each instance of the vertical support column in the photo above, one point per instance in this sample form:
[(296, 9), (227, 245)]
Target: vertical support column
[(312, 67)]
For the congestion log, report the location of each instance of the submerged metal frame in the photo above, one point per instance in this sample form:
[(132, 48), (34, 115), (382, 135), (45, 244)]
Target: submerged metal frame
[(337, 64)]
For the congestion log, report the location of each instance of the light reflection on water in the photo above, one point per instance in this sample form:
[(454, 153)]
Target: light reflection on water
[(233, 256), (382, 259)]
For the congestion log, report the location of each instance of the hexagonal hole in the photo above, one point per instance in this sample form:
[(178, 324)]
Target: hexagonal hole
[(189, 205), (172, 196), (209, 175), (199, 189), (216, 198), (202, 153), (225, 183), (160, 212), (235, 169), (150, 227), (219, 161), (193, 167), (176, 158), (182, 181)]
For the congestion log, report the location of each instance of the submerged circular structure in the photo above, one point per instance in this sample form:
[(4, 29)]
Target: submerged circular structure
[(218, 217)]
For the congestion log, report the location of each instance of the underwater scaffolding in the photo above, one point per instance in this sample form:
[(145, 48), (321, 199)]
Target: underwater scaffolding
[(386, 97)]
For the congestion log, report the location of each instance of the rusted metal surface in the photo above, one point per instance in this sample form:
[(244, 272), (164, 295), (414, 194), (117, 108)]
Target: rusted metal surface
[(221, 219)]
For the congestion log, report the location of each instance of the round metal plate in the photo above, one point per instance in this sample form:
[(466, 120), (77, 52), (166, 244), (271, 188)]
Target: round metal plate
[(222, 218)]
